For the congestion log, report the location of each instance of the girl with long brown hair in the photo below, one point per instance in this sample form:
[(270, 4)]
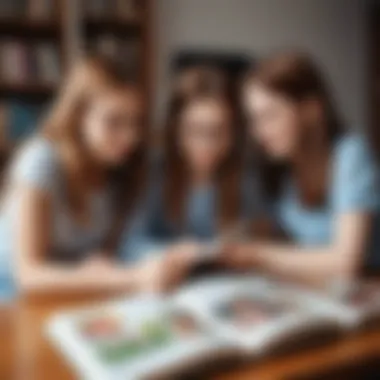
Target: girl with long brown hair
[(321, 183), (199, 189), (73, 183)]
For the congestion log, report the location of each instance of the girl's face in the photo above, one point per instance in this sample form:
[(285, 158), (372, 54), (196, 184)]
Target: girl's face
[(205, 135), (275, 121), (112, 126)]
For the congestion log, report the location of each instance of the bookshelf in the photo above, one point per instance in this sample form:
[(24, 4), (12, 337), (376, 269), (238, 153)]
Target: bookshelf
[(113, 29), (40, 39), (31, 47)]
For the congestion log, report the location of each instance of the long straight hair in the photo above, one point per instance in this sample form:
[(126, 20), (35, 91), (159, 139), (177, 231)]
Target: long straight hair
[(228, 176), (89, 78), (295, 77)]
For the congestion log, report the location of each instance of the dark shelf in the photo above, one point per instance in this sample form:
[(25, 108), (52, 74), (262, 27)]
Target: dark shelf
[(112, 24), (27, 89), (24, 27)]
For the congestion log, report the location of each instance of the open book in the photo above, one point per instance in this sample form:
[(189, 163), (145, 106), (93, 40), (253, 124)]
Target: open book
[(147, 336)]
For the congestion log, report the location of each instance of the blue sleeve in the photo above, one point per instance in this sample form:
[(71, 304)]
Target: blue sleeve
[(35, 165), (355, 176), (140, 239)]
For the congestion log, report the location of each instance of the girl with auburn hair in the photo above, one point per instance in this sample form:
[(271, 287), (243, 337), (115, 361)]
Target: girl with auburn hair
[(321, 182), (73, 183), (199, 189)]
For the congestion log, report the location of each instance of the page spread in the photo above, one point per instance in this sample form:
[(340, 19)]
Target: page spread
[(225, 315)]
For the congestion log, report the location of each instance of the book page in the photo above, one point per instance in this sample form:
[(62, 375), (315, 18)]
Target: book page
[(253, 314), (246, 311), (137, 336), (202, 293)]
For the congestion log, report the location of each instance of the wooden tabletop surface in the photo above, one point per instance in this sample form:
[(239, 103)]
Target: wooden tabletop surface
[(26, 354)]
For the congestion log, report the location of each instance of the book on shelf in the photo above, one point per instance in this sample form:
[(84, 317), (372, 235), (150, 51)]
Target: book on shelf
[(125, 52), (28, 64), (127, 9), (106, 9), (41, 10), (48, 65), (204, 322), (27, 9), (13, 9), (14, 65), (96, 9)]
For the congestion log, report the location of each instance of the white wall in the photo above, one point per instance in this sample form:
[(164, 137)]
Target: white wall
[(334, 31)]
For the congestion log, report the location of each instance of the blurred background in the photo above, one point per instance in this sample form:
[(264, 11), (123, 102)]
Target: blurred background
[(152, 39), (39, 39)]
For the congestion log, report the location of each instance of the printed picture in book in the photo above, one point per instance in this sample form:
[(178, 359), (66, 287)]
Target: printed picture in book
[(247, 311), (115, 340)]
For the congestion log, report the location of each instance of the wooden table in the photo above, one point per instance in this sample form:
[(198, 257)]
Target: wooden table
[(36, 359)]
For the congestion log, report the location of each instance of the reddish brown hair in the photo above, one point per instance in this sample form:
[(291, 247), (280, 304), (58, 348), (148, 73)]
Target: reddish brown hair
[(228, 177), (297, 78)]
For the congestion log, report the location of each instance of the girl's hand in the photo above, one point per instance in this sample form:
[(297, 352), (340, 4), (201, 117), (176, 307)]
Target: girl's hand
[(164, 272), (239, 255), (179, 261), (151, 275), (185, 252), (98, 261)]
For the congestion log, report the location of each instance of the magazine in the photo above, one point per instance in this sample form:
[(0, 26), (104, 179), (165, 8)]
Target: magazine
[(150, 336)]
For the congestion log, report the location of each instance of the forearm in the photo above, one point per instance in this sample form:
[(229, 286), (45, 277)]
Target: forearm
[(339, 259), (56, 279), (314, 263)]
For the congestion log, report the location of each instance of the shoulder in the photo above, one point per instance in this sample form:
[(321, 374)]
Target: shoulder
[(37, 148), (35, 163), (352, 146), (355, 175), (353, 153)]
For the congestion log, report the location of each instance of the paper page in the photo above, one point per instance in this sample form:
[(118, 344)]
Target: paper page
[(132, 337), (202, 293), (254, 316)]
